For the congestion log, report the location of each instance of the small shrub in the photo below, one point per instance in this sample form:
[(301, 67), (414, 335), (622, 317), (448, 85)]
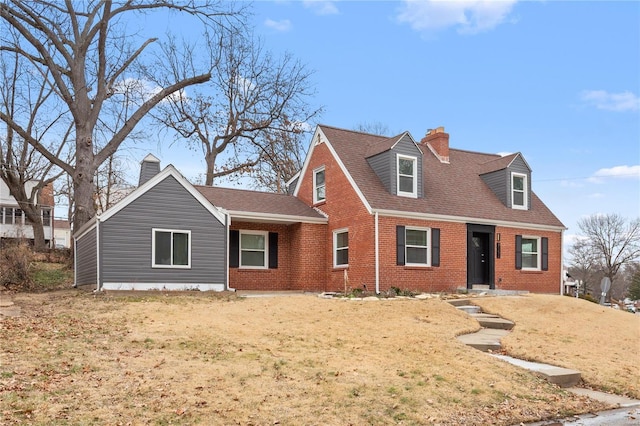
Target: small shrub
[(589, 297), (15, 265)]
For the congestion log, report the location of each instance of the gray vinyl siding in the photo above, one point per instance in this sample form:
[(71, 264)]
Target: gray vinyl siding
[(381, 165), (126, 239), (148, 169), (499, 183), (385, 164), (406, 147), (518, 165), (86, 259)]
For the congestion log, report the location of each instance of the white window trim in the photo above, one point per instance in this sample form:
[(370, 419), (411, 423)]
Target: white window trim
[(335, 247), (538, 253), (406, 257), (525, 190), (153, 248), (414, 193), (265, 234), (315, 186)]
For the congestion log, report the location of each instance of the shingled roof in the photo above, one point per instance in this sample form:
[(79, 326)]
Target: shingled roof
[(450, 189), (266, 205)]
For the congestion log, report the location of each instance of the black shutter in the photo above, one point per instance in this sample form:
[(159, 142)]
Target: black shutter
[(435, 247), (400, 245), (545, 254), (234, 249), (518, 251), (273, 250)]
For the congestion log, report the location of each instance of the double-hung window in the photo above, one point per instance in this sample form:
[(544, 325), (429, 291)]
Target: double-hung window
[(171, 248), (253, 249), (407, 179), (519, 191), (531, 253), (417, 247), (341, 248), (319, 187)]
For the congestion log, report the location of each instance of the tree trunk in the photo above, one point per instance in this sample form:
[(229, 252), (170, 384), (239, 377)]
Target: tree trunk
[(83, 186), (210, 159)]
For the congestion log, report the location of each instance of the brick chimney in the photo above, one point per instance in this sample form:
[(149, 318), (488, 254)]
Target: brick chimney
[(438, 142), (149, 167)]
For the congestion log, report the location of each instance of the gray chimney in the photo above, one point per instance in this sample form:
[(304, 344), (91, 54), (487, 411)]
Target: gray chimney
[(149, 167)]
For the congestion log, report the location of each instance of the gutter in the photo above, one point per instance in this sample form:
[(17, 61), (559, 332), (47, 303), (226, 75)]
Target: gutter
[(227, 225), (98, 254)]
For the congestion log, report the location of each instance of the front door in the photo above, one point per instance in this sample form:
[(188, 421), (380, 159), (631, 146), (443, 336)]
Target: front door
[(480, 262)]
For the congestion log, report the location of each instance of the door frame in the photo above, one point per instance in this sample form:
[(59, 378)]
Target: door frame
[(490, 230)]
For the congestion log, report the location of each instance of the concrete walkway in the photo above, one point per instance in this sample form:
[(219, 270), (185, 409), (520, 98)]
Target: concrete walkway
[(487, 339)]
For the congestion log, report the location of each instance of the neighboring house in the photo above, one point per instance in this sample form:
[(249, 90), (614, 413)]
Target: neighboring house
[(13, 222), (61, 233), (379, 212)]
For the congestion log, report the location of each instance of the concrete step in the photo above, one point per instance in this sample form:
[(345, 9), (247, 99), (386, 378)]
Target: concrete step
[(459, 302), (495, 323), (481, 287), (485, 340), (563, 377), (470, 309)]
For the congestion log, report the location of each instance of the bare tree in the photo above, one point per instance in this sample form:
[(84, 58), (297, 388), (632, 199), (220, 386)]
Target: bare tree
[(613, 241), (23, 169), (83, 51), (283, 156), (251, 99), (375, 128), (585, 266), (111, 184)]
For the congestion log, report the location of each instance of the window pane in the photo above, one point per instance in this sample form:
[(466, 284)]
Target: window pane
[(416, 237), (518, 183), (163, 248), (46, 217), (529, 260), (252, 242), (18, 216), (405, 167), (529, 245), (416, 255), (518, 198), (406, 184), (180, 249), (320, 178), (342, 257), (320, 193), (252, 258), (342, 239)]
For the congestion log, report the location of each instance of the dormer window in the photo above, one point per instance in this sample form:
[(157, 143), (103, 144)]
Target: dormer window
[(319, 194), (407, 179), (519, 191)]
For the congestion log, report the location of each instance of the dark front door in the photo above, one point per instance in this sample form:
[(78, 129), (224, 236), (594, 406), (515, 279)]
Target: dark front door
[(480, 255), (479, 258)]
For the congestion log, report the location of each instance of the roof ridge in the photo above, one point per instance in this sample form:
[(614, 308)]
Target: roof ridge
[(360, 132), (244, 190)]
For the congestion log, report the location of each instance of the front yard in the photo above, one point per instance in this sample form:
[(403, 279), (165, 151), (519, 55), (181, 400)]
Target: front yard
[(76, 358)]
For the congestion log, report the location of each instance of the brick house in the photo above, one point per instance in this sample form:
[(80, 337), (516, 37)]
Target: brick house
[(382, 212)]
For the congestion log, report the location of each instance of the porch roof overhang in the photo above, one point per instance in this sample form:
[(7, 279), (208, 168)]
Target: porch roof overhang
[(255, 217)]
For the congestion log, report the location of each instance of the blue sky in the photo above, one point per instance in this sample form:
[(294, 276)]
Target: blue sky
[(557, 81)]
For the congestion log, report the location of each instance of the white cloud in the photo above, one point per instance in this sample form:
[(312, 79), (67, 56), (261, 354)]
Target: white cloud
[(321, 7), (621, 172), (469, 16), (601, 99), (596, 195), (283, 25)]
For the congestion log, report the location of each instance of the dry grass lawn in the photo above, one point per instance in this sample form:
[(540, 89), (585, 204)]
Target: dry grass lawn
[(76, 358)]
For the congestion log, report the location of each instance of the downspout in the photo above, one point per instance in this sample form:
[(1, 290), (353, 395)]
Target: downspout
[(377, 251), (98, 254), (227, 225), (562, 262)]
